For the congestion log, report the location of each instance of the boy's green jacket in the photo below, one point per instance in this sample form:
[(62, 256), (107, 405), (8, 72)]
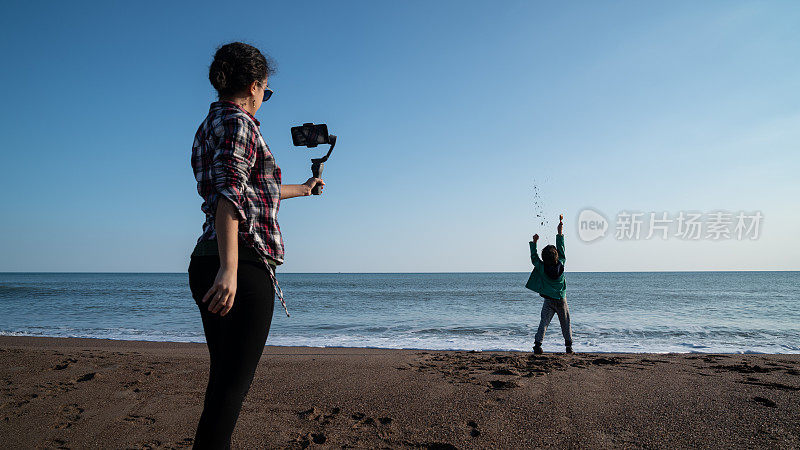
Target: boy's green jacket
[(539, 281)]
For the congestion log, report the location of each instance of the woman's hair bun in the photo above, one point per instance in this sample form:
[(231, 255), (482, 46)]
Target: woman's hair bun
[(218, 75), (236, 66)]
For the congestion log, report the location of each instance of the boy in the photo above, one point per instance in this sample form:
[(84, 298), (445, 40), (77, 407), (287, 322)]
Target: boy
[(547, 279)]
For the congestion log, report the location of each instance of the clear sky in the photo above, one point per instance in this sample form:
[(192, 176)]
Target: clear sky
[(451, 117)]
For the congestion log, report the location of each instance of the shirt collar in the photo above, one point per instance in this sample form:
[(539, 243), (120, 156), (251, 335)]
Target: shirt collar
[(227, 104)]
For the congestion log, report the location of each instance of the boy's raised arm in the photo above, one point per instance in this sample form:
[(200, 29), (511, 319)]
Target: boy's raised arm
[(560, 240), (534, 254)]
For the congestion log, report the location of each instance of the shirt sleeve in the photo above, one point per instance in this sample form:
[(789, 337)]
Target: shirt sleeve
[(560, 248), (535, 255), (234, 157)]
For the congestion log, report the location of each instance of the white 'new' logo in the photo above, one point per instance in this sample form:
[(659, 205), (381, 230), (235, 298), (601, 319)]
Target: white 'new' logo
[(591, 225)]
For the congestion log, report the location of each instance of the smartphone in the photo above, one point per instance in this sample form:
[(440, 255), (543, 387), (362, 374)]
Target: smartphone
[(310, 135)]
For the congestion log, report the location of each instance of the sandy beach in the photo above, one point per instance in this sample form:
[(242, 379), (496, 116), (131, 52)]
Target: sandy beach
[(79, 393)]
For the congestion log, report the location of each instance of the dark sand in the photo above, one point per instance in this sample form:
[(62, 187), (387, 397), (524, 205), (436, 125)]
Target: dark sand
[(77, 393)]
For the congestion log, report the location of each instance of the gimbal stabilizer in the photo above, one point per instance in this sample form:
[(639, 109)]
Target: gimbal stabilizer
[(310, 135)]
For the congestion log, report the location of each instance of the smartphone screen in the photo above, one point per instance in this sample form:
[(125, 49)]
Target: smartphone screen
[(310, 135)]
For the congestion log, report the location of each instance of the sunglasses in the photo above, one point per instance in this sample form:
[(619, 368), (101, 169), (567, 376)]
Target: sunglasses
[(267, 93)]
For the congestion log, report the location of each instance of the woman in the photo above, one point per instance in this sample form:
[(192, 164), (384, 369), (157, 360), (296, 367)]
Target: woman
[(232, 268)]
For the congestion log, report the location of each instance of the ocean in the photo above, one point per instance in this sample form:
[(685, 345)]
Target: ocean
[(704, 312)]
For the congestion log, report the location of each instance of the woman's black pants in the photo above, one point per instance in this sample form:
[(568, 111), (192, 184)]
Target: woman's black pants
[(235, 343)]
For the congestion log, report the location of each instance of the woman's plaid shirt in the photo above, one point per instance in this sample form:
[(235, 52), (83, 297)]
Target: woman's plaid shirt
[(230, 158)]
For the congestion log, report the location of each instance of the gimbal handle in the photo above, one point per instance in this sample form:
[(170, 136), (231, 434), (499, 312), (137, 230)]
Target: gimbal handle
[(318, 164)]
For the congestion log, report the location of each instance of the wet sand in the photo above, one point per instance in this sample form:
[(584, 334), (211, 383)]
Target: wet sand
[(79, 393)]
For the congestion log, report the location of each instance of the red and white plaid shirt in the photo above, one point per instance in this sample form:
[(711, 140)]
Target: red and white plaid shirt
[(230, 158)]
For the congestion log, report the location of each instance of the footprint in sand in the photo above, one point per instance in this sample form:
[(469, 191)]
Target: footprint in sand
[(318, 436), (381, 425), (87, 377), (361, 420), (474, 432), (70, 414), (653, 361), (319, 415), (498, 385), (743, 368), (65, 386), (64, 364), (764, 401), (59, 443), (156, 444), (139, 420), (605, 361), (431, 445), (149, 445), (16, 404), (305, 440), (186, 442)]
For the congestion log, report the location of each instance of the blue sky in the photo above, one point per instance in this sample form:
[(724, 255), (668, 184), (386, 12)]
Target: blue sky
[(448, 114)]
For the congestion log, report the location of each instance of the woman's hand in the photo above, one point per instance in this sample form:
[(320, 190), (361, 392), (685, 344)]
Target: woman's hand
[(560, 223), (535, 238), (222, 292), (311, 183)]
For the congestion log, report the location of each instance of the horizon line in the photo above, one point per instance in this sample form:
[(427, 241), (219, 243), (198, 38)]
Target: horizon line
[(439, 272)]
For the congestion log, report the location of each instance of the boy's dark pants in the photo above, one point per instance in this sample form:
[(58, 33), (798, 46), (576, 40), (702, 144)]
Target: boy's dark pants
[(550, 307)]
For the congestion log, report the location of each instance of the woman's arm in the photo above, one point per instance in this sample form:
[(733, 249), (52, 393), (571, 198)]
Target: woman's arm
[(223, 291), (300, 190)]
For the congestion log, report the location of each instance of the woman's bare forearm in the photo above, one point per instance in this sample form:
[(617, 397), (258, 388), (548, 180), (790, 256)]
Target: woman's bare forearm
[(294, 190), (227, 226), (301, 190)]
